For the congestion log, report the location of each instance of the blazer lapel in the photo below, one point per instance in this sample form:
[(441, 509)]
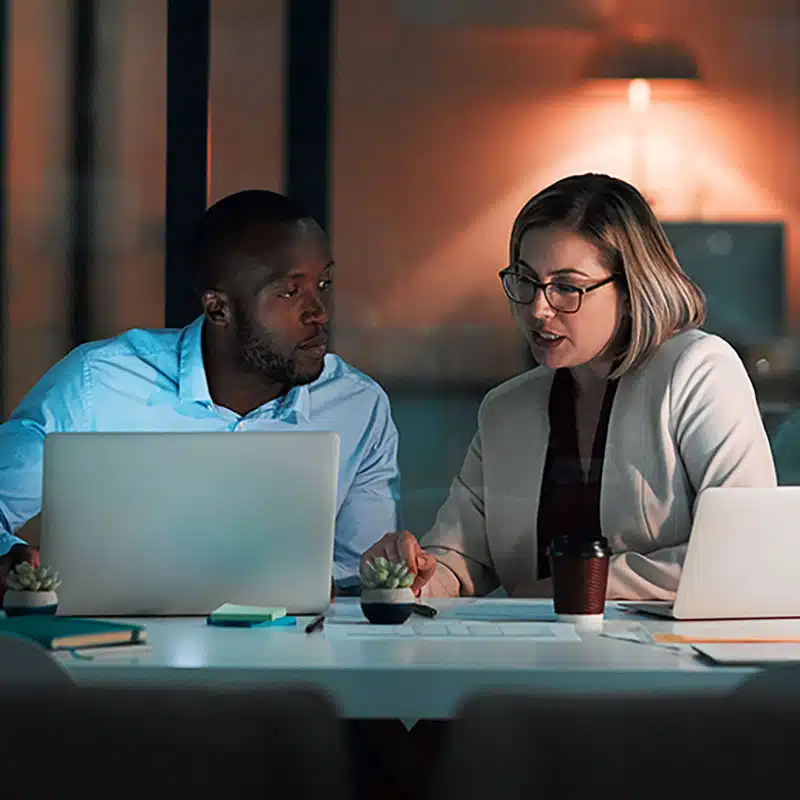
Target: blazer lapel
[(620, 490), (516, 464)]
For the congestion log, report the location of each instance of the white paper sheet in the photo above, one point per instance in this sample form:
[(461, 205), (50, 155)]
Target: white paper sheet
[(433, 629), (736, 654)]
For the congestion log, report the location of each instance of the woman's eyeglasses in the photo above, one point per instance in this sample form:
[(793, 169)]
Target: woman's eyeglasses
[(561, 296)]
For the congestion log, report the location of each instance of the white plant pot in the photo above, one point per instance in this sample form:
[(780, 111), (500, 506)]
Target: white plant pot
[(17, 603), (387, 596)]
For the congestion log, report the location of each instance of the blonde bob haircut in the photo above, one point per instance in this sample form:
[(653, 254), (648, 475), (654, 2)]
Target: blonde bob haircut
[(612, 215)]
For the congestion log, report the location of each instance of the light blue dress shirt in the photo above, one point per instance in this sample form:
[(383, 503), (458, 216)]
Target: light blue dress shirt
[(154, 380)]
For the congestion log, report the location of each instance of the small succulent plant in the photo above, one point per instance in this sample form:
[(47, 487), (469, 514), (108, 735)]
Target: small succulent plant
[(27, 578), (380, 573)]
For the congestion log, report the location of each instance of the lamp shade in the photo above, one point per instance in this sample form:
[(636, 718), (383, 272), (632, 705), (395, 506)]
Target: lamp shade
[(650, 59)]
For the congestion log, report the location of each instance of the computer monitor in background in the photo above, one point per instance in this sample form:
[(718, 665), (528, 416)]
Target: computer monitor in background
[(740, 266)]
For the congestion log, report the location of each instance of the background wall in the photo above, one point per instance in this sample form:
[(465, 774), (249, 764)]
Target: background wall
[(36, 248), (443, 131), (131, 118), (246, 96)]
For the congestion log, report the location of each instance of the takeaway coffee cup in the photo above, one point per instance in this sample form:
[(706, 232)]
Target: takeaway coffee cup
[(579, 567)]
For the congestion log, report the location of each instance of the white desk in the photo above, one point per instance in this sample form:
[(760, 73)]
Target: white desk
[(405, 678)]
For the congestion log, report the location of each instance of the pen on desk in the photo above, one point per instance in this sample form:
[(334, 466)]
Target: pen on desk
[(316, 624), (423, 610)]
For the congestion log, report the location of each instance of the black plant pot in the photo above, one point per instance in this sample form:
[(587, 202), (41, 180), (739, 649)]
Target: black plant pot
[(387, 606)]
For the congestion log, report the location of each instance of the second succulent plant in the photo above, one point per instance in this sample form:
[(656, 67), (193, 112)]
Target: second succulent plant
[(380, 573)]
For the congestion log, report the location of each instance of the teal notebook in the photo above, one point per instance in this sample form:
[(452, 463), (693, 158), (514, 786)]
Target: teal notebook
[(62, 633)]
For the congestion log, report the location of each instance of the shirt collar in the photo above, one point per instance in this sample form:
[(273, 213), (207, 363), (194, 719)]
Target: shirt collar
[(193, 385), (296, 402)]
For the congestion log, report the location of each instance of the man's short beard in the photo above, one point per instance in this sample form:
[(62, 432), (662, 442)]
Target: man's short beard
[(258, 352)]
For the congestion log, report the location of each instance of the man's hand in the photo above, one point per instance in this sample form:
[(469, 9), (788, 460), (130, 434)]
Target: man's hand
[(404, 546), (16, 555)]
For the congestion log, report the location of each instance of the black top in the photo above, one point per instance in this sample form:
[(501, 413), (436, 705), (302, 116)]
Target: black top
[(569, 503)]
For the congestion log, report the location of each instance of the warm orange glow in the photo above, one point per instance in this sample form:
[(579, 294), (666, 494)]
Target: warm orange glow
[(433, 204), (694, 171), (639, 95)]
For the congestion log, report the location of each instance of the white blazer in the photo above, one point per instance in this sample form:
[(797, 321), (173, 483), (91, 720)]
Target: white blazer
[(684, 421)]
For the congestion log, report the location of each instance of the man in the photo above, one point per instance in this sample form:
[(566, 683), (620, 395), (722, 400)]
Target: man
[(255, 360)]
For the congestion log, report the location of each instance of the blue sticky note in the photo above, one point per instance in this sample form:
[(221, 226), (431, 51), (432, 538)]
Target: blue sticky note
[(243, 623)]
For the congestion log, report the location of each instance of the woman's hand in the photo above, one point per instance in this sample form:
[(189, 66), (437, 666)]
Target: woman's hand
[(403, 546)]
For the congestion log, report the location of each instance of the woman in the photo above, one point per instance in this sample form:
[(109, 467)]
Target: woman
[(632, 412)]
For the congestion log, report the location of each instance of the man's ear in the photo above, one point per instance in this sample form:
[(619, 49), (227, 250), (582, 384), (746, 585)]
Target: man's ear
[(216, 307)]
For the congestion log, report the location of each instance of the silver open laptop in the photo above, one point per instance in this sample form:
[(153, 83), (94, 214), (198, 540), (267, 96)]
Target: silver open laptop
[(178, 523), (742, 558)]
